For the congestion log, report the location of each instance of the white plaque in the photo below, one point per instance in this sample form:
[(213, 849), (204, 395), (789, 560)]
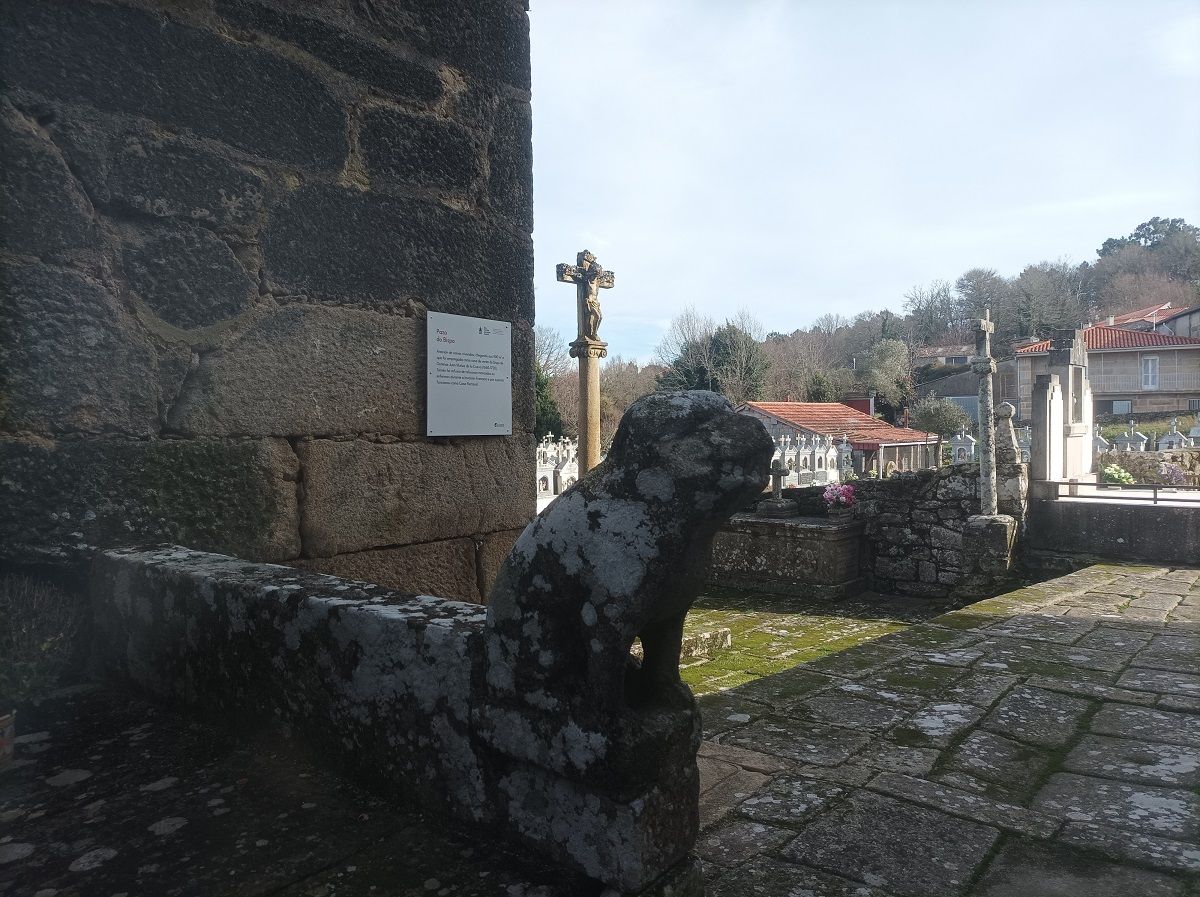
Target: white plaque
[(470, 376)]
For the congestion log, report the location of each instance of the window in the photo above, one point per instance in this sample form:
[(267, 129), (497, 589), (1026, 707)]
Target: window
[(1193, 404), (956, 359), (1149, 372), (1122, 407)]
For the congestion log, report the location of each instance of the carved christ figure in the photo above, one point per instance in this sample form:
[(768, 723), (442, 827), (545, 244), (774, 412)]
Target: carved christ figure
[(589, 278), (590, 307)]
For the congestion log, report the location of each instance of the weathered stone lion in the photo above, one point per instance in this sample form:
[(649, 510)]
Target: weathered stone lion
[(620, 555)]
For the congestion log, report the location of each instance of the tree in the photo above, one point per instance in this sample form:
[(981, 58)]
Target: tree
[(622, 383), (739, 363), (550, 354), (933, 414), (1150, 234), (820, 389), (565, 390), (932, 311), (546, 416), (727, 359), (887, 370)]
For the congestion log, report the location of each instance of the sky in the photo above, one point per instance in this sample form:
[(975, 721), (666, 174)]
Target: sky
[(794, 157)]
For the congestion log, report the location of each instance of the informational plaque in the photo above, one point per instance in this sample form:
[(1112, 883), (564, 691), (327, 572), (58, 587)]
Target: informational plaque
[(470, 376)]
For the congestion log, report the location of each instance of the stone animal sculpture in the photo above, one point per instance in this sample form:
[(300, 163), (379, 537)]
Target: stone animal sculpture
[(623, 554)]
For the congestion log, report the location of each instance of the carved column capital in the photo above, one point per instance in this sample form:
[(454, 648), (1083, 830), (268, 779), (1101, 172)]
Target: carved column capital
[(590, 348)]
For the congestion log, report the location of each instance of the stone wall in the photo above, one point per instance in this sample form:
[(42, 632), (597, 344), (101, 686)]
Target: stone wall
[(401, 690), (913, 537), (1145, 465), (221, 225), (1084, 531)]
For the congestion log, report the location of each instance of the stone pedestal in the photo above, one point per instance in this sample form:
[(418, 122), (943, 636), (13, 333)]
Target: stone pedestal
[(987, 553), (802, 556), (777, 508)]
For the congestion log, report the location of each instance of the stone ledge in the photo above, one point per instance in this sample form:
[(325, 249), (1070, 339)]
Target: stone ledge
[(395, 686)]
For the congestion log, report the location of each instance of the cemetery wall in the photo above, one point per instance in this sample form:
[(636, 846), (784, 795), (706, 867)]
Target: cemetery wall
[(914, 524), (1110, 531), (221, 226)]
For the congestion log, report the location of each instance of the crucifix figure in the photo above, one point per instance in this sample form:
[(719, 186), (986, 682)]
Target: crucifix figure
[(984, 367), (589, 278)]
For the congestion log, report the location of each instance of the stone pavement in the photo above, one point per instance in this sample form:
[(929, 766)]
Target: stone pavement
[(1045, 743), (111, 796), (772, 633)]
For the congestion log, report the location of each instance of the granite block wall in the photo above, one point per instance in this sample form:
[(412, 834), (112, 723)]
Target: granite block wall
[(222, 223), (913, 537)]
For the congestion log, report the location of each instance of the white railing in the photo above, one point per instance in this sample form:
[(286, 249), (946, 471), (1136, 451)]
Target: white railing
[(1119, 383), (1115, 383), (1181, 381)]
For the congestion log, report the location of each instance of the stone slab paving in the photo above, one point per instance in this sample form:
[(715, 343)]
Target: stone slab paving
[(773, 633), (1044, 743), (110, 795)]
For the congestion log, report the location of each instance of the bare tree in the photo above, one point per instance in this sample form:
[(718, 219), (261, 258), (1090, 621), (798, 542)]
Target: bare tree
[(550, 351), (688, 332)]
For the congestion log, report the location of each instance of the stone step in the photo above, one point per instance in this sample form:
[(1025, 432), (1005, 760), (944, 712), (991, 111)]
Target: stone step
[(697, 645)]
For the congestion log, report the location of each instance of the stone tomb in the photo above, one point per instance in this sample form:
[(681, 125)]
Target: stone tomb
[(801, 556)]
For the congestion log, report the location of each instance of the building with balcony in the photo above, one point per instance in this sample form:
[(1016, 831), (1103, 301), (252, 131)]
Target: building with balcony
[(1130, 371)]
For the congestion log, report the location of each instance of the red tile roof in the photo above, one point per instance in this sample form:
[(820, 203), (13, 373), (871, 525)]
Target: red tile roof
[(1149, 314), (835, 419), (1102, 336)]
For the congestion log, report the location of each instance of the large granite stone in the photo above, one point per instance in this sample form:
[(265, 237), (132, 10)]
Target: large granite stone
[(444, 569), (308, 369), (366, 248), (767, 877), (373, 63), (493, 549), (1023, 869), (74, 360), (1172, 812), (233, 496), (1035, 716), (420, 150), (1135, 760), (122, 59), (510, 163), (360, 494), (43, 211), (189, 277), (904, 849), (176, 178), (1007, 764), (1137, 722), (480, 36)]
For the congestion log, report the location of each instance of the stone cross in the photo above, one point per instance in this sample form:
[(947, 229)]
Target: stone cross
[(779, 473), (589, 278), (984, 367)]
